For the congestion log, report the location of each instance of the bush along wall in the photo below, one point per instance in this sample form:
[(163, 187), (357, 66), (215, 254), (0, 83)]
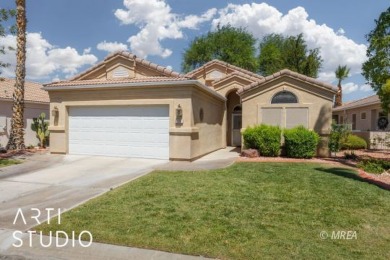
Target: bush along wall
[(300, 142), (353, 142), (264, 138)]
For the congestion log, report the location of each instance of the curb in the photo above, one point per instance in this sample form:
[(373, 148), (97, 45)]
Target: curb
[(373, 180)]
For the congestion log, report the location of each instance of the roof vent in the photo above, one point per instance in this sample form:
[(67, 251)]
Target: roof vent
[(215, 74), (120, 73)]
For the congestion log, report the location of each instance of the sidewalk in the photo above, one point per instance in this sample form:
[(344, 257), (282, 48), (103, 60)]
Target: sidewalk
[(95, 251), (219, 159)]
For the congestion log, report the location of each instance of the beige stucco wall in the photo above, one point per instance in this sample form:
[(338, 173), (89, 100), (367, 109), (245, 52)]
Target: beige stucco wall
[(368, 124), (318, 102), (184, 138), (228, 88), (210, 137), (31, 110)]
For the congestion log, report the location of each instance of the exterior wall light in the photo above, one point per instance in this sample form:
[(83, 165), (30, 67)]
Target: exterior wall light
[(54, 114), (179, 115)]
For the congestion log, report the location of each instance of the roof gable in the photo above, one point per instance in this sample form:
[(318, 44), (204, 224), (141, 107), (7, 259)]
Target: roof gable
[(238, 77), (216, 65), (289, 74), (124, 64)]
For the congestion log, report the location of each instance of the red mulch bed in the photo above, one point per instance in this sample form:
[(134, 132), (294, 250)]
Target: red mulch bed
[(382, 180), (378, 154)]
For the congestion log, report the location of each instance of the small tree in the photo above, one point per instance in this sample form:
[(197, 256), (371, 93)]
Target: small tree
[(377, 68), (229, 44), (278, 52), (337, 136), (16, 138), (341, 73), (41, 128), (5, 15)]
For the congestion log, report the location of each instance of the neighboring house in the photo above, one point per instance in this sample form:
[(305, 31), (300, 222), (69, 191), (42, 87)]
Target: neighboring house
[(127, 106), (363, 115), (36, 102)]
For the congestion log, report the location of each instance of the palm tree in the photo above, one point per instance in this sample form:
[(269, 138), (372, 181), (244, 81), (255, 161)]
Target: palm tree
[(342, 73), (16, 139)]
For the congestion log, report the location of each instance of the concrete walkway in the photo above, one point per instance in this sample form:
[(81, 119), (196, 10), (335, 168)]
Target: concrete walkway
[(64, 249), (219, 159), (64, 183)]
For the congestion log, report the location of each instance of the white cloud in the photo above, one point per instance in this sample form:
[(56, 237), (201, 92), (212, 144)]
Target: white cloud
[(366, 88), (193, 21), (340, 31), (156, 22), (349, 87), (352, 87), (43, 58), (262, 19), (111, 46)]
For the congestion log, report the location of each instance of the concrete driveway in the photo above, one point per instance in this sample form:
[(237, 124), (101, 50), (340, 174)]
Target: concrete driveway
[(61, 182)]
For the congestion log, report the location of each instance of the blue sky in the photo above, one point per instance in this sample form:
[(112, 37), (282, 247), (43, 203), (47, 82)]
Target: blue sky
[(67, 36)]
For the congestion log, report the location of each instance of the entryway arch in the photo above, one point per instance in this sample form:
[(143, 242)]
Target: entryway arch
[(234, 119)]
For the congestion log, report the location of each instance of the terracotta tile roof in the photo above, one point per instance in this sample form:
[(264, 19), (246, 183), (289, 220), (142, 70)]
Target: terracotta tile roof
[(113, 81), (225, 64), (33, 91), (291, 74), (234, 74), (165, 71), (371, 100)]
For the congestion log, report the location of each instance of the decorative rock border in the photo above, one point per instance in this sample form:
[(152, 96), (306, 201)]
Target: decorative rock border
[(373, 180)]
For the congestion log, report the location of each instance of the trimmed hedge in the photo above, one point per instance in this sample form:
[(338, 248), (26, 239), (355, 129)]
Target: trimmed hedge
[(300, 142), (265, 138), (353, 142)]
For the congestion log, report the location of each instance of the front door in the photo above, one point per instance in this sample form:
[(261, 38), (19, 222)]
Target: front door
[(236, 129)]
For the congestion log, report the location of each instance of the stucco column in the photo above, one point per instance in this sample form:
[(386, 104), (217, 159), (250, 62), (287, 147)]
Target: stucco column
[(224, 127)]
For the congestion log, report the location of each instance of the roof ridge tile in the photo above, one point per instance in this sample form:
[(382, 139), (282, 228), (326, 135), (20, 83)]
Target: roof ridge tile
[(127, 54)]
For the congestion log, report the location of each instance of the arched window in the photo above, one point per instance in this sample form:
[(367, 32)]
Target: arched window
[(284, 97), (237, 109)]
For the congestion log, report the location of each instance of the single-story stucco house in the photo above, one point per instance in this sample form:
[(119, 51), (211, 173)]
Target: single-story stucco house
[(127, 106), (36, 102), (365, 116)]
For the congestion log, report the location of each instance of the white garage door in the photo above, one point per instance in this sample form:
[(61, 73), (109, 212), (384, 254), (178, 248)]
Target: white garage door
[(123, 131)]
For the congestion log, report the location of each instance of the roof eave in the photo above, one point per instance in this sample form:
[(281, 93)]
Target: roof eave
[(267, 81), (338, 109), (136, 84)]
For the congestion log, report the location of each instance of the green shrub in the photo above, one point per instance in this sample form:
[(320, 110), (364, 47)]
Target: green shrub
[(249, 136), (353, 142), (336, 137), (300, 142), (264, 138), (371, 165)]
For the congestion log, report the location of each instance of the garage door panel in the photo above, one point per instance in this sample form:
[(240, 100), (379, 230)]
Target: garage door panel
[(120, 131)]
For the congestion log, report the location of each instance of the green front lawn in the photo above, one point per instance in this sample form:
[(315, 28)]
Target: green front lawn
[(246, 211), (7, 162)]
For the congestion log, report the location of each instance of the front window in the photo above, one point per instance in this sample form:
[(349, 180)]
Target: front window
[(284, 97)]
